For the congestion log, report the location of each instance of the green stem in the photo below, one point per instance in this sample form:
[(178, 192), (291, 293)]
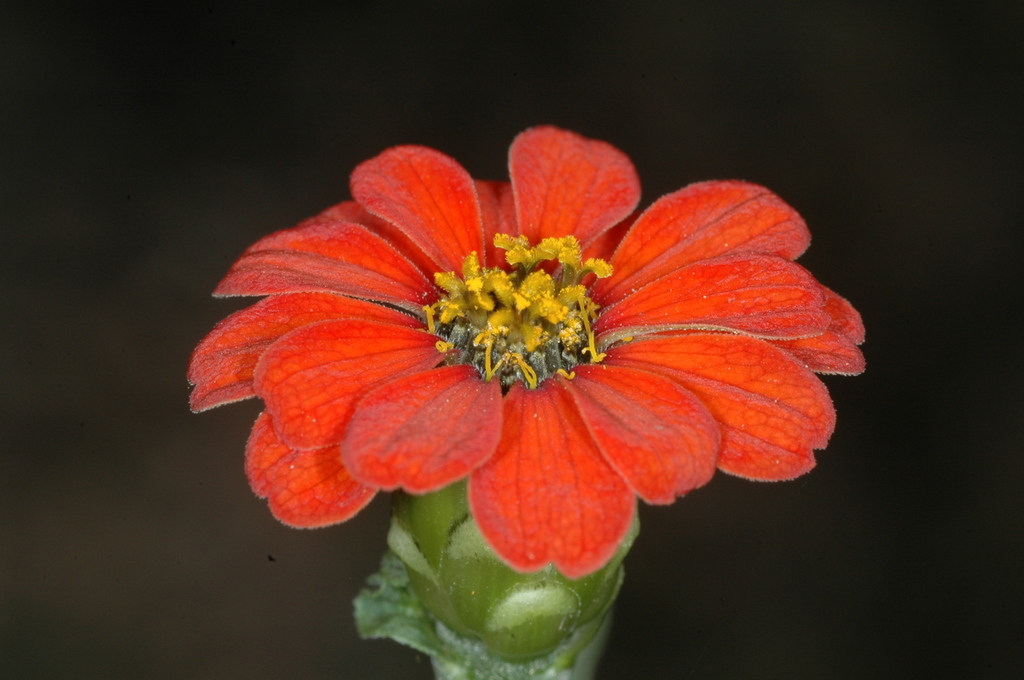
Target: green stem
[(590, 656)]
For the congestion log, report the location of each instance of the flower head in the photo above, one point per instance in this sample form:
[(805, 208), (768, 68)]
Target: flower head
[(538, 336)]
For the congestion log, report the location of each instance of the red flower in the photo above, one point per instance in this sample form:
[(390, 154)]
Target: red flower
[(438, 327)]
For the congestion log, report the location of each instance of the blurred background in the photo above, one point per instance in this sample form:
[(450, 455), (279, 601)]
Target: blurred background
[(144, 146)]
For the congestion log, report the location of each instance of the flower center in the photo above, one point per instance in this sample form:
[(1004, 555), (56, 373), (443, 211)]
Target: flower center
[(524, 324)]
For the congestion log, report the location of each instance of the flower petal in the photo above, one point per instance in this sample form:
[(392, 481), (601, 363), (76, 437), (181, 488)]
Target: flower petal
[(222, 365), (605, 244), (566, 184), (428, 196), (655, 433), (835, 350), (846, 320), (498, 211), (311, 378), (350, 211), (424, 431), (306, 488), (323, 255), (773, 411), (826, 353), (699, 222), (756, 294), (548, 495)]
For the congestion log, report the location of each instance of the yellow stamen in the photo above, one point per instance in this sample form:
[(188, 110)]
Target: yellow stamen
[(485, 339), (429, 310), (525, 322), (528, 373), (497, 367), (568, 376), (443, 347), (591, 309)]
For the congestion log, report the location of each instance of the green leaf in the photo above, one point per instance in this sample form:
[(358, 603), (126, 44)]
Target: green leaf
[(387, 609)]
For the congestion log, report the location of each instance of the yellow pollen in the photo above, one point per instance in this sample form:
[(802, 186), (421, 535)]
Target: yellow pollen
[(530, 321), (600, 268)]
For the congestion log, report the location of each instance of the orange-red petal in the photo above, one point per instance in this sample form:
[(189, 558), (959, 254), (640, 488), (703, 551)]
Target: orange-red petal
[(350, 211), (548, 495), (565, 184), (846, 320), (427, 195), (604, 245), (312, 378), (835, 350), (305, 488), (498, 211), (699, 222), (424, 431), (773, 411), (757, 294), (222, 365), (826, 353), (654, 432), (324, 255)]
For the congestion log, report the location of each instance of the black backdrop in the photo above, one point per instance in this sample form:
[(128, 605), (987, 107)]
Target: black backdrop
[(143, 148)]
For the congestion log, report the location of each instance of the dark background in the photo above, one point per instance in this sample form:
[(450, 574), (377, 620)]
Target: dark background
[(144, 148)]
